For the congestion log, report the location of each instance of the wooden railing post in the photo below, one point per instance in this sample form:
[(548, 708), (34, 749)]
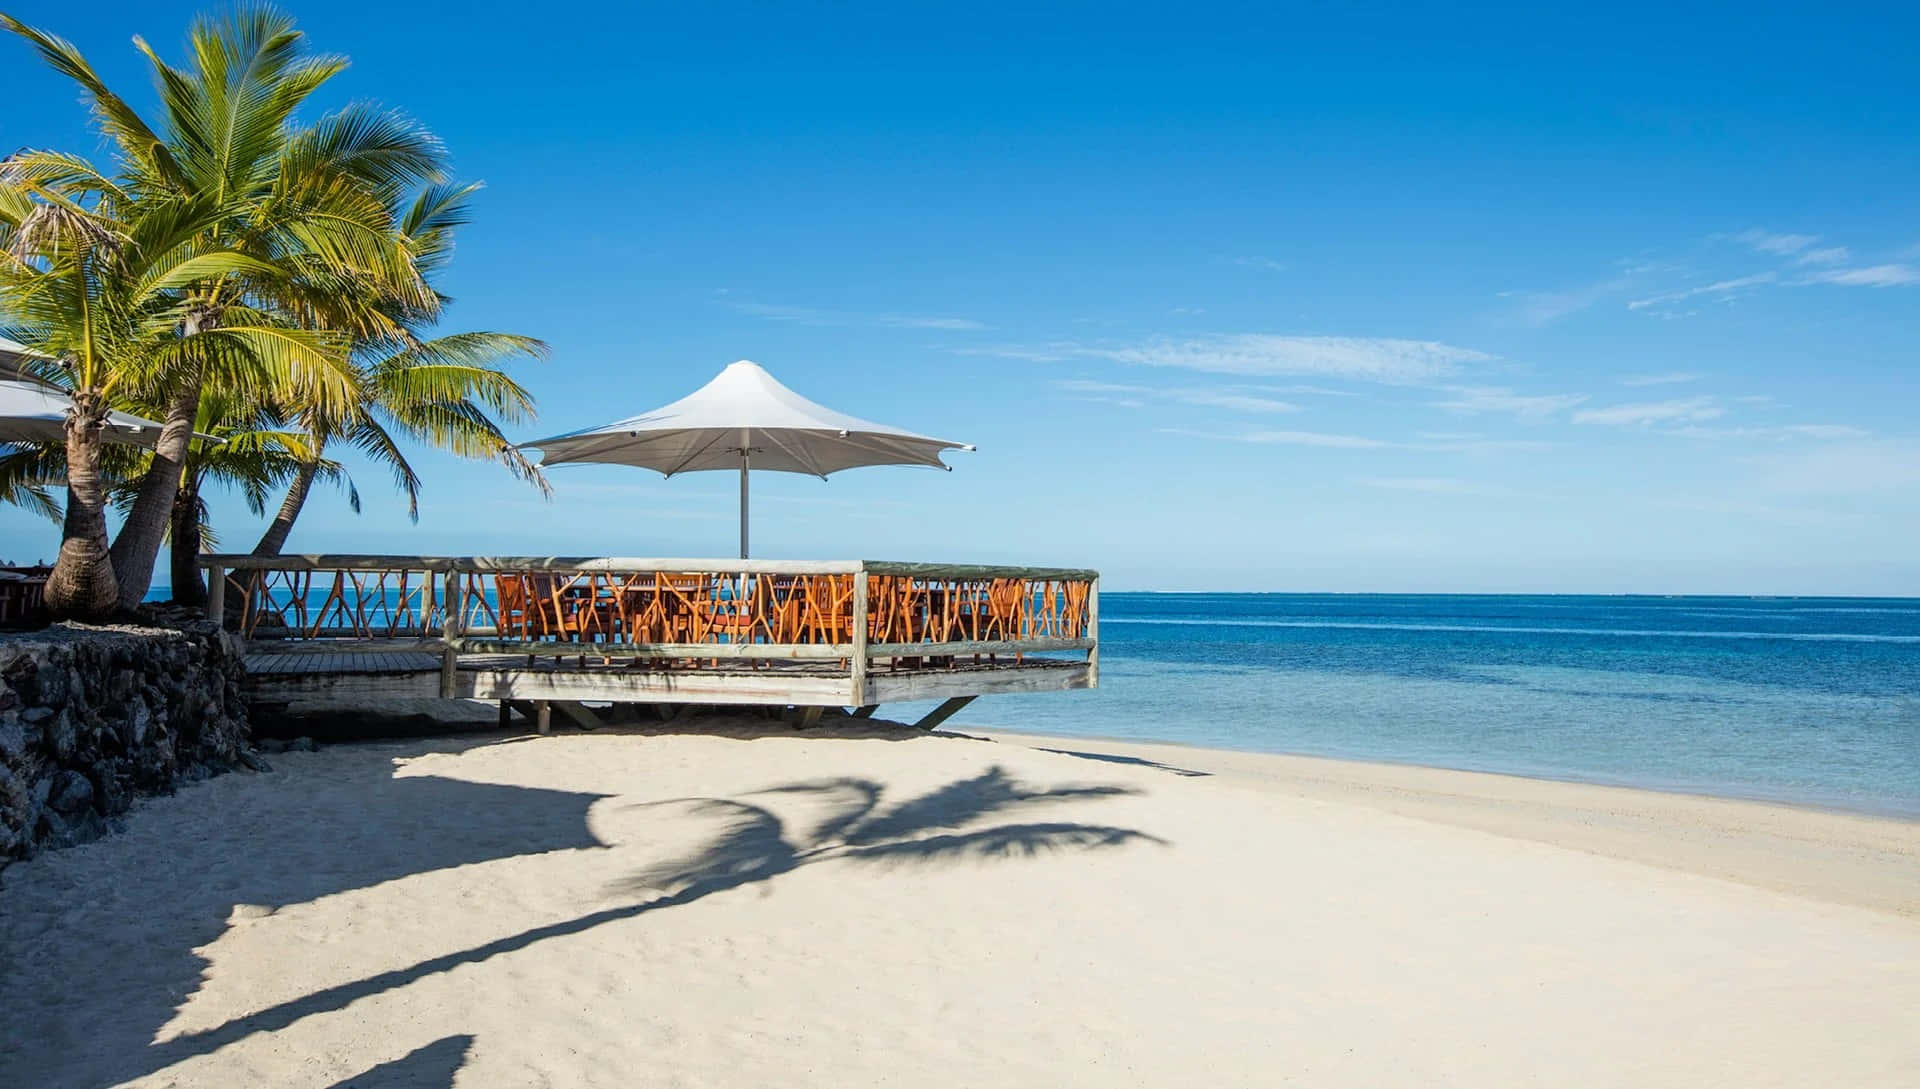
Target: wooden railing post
[(859, 663), (450, 618), (217, 594), (1093, 632)]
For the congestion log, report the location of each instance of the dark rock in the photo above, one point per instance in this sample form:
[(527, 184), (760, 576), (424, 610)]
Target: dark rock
[(253, 761), (110, 790), (272, 745), (72, 792), (60, 736), (303, 744), (139, 721), (70, 831), (93, 716)]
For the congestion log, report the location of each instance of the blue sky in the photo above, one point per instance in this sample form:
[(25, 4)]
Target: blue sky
[(1228, 296)]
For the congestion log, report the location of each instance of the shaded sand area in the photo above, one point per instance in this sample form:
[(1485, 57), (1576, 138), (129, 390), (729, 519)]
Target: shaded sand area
[(695, 909)]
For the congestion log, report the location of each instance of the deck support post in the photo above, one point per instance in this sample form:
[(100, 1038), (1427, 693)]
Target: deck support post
[(542, 717), (506, 714), (810, 717), (1093, 632), (580, 713), (857, 667), (932, 719), (865, 710), (217, 594), (450, 633)]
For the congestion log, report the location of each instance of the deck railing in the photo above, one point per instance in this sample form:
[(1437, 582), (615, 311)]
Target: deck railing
[(663, 609)]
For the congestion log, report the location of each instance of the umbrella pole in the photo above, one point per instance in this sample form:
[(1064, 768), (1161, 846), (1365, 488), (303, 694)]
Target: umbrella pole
[(743, 502)]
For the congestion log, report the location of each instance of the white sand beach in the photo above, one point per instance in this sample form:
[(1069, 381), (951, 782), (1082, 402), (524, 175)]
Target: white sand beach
[(625, 909)]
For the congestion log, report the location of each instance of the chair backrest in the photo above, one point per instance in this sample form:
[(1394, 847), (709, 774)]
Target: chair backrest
[(511, 590)]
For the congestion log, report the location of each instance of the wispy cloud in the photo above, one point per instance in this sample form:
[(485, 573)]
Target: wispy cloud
[(1289, 438), (1237, 402), (1828, 255), (1267, 263), (1137, 395), (1668, 378), (1774, 243), (1475, 400), (1032, 353), (1799, 260), (1434, 485), (1300, 391), (1823, 432), (1537, 308), (1722, 288), (1433, 442), (1682, 410), (809, 315), (1870, 276), (1371, 359)]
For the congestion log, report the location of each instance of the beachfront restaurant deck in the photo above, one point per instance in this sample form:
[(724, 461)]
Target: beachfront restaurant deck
[(546, 634)]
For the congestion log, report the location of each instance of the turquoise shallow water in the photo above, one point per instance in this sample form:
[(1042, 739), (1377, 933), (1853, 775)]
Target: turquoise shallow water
[(1806, 700)]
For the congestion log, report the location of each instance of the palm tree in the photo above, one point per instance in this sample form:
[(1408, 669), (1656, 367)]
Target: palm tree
[(446, 392), (92, 288), (239, 444), (227, 161), (240, 447)]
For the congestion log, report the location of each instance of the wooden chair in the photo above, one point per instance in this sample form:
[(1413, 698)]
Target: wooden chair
[(897, 608), (520, 618), (828, 609), (733, 617), (781, 607), (1073, 617), (1008, 616)]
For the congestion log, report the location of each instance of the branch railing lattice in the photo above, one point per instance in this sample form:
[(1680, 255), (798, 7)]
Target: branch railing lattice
[(762, 609)]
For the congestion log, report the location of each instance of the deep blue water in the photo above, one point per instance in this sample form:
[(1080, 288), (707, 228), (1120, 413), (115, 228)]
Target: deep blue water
[(1807, 700)]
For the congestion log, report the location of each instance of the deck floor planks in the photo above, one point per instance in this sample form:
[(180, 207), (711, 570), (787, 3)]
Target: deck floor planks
[(302, 669)]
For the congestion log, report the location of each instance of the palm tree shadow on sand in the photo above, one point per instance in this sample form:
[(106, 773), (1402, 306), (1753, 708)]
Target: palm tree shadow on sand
[(429, 1067), (749, 844), (752, 844)]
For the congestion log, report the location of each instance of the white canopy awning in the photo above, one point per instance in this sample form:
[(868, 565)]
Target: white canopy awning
[(744, 419), (35, 410), (745, 408)]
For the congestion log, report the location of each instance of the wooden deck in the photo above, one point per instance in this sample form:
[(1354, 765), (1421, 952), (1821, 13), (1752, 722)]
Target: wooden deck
[(566, 632), (300, 672)]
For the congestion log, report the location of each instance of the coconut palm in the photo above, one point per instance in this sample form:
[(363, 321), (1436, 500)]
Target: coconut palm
[(94, 288), (446, 392), (239, 444), (301, 206), (238, 447)]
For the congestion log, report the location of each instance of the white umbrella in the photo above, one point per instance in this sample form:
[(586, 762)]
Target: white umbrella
[(745, 419), (35, 410)]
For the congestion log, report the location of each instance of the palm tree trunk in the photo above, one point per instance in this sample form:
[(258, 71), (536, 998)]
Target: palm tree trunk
[(137, 547), (185, 534), (82, 585), (275, 538)]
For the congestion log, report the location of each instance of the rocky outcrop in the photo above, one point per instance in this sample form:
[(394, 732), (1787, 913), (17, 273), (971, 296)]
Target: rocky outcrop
[(93, 717)]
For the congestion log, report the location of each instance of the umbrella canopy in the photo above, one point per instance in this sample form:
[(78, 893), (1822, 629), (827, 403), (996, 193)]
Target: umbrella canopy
[(35, 410), (744, 419)]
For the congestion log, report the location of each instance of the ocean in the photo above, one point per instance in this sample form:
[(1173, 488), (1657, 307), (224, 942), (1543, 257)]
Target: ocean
[(1812, 701)]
